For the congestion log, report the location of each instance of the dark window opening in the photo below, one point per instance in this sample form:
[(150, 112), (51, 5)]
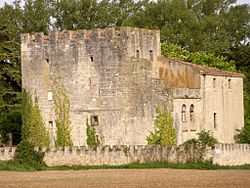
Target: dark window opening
[(183, 113), (137, 54), (151, 54), (97, 138), (51, 124), (215, 120), (94, 120), (229, 84), (47, 60), (192, 112), (214, 82), (92, 58)]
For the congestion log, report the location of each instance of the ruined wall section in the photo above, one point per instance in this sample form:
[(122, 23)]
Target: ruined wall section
[(106, 74), (177, 74)]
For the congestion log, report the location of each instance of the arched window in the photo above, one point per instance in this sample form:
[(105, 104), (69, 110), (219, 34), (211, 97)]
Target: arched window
[(191, 112), (183, 113)]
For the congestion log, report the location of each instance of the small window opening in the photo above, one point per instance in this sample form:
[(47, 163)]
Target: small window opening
[(92, 59), (215, 120), (192, 112), (50, 97), (214, 82), (229, 84), (51, 124), (183, 113), (94, 120), (137, 54), (151, 54), (47, 60), (97, 138)]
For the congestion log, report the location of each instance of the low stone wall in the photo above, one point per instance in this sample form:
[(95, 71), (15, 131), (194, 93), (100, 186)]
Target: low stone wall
[(118, 155), (7, 153), (232, 154), (223, 154)]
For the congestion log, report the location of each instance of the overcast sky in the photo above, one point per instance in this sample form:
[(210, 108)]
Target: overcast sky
[(10, 1)]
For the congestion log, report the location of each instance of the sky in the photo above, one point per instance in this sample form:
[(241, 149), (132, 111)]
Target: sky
[(10, 1)]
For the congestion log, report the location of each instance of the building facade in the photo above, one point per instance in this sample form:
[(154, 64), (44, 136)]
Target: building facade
[(115, 79)]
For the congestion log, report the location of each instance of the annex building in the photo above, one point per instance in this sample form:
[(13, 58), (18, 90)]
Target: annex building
[(115, 79)]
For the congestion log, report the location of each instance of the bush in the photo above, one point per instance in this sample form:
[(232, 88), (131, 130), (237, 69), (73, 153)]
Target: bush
[(205, 139), (25, 154), (243, 136), (91, 136), (164, 132)]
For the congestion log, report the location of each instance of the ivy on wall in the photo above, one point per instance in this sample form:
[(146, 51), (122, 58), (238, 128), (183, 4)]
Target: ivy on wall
[(62, 110), (91, 136), (33, 126)]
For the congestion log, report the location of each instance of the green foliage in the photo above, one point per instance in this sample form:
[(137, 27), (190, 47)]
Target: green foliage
[(25, 154), (200, 58), (12, 166), (243, 136), (10, 74), (164, 132), (62, 109), (11, 123), (205, 139), (91, 136), (33, 128)]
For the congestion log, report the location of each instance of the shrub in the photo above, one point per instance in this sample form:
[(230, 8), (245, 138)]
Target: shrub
[(91, 136), (25, 154), (205, 139), (164, 132), (243, 136)]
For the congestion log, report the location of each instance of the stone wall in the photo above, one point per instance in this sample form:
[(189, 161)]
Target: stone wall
[(7, 153), (223, 106), (232, 154), (224, 154), (107, 74)]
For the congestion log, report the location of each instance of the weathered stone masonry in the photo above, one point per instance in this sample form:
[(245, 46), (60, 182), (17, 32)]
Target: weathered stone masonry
[(223, 154), (116, 79)]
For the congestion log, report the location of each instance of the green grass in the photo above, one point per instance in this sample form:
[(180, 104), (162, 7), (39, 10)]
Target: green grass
[(12, 166)]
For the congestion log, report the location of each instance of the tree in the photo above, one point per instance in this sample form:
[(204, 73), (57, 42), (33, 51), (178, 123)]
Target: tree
[(33, 129), (201, 58), (164, 132), (10, 72), (36, 16)]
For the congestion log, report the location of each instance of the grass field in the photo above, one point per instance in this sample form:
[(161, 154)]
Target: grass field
[(12, 166)]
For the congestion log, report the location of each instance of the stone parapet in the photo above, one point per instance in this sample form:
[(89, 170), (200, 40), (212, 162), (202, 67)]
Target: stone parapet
[(7, 153), (223, 154), (231, 154)]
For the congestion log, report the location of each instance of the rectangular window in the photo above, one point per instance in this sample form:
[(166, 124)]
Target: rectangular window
[(215, 120), (151, 55), (214, 82), (137, 54), (51, 124), (94, 120), (50, 96), (229, 84)]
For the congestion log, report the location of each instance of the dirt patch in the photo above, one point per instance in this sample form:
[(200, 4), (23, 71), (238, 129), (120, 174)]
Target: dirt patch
[(127, 178)]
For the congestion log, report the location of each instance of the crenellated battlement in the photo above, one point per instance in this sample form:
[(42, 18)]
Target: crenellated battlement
[(223, 154), (80, 35)]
